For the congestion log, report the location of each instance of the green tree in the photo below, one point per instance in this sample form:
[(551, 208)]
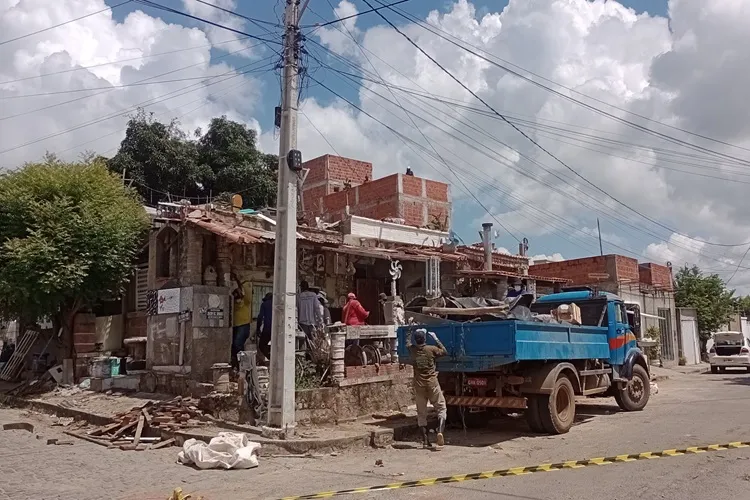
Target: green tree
[(228, 149), (68, 235), (161, 159), (743, 305), (708, 294)]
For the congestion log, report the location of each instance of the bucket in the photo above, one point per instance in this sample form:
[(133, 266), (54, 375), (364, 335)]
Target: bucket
[(221, 376), (100, 368), (114, 366)]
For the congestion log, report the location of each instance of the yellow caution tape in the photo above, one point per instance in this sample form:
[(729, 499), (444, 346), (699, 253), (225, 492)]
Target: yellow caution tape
[(518, 471)]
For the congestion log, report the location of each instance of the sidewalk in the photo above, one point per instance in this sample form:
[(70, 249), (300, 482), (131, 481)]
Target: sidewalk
[(672, 371), (99, 409)]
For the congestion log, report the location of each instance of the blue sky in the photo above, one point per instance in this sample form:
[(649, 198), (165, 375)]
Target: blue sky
[(464, 213)]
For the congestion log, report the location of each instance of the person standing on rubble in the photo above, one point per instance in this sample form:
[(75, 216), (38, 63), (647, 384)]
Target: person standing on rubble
[(240, 318), (426, 385)]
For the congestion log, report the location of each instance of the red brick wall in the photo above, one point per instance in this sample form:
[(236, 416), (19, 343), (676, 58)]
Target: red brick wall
[(413, 213), (626, 269), (656, 275), (373, 191), (412, 185), (347, 169), (439, 211), (311, 198), (576, 270), (336, 202), (317, 168), (437, 191)]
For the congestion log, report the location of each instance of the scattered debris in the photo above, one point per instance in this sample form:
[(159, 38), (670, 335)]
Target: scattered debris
[(63, 421), (229, 450), (654, 388), (59, 442), (21, 426), (378, 463), (177, 494)]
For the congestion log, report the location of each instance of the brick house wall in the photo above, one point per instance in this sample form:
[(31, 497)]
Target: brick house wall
[(656, 275)]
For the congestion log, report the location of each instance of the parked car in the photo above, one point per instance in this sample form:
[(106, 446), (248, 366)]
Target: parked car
[(728, 350)]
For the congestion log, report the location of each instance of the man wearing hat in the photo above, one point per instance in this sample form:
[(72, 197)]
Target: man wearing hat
[(426, 385)]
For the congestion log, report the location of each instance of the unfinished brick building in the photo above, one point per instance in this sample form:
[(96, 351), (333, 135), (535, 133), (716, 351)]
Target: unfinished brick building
[(650, 285), (335, 183)]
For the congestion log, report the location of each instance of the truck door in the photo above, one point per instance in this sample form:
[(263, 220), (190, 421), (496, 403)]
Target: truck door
[(620, 335)]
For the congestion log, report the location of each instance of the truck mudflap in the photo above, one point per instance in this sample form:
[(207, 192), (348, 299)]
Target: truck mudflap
[(634, 357), (542, 380), (487, 402)]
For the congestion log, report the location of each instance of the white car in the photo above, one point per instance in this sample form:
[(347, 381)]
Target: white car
[(728, 350)]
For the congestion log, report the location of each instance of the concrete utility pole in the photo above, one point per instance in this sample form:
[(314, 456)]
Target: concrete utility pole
[(284, 321)]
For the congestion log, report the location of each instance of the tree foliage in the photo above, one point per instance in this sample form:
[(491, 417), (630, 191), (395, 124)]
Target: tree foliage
[(708, 294), (166, 164), (68, 235)]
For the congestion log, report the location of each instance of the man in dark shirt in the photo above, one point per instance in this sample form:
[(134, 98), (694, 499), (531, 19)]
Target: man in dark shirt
[(426, 385), (263, 328)]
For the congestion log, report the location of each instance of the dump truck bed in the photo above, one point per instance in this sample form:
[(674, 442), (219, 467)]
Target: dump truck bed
[(482, 346)]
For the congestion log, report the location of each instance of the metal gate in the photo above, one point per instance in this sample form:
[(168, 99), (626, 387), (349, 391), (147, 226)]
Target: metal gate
[(667, 336)]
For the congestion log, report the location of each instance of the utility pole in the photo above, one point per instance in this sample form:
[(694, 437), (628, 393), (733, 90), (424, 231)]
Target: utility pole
[(284, 321), (599, 229)]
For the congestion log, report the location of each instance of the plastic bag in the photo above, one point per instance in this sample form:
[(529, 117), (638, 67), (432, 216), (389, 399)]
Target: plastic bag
[(228, 450)]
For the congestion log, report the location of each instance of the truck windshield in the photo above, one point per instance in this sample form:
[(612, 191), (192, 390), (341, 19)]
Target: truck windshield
[(591, 311)]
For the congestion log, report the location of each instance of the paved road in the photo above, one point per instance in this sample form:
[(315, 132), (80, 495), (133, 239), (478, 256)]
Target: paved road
[(689, 410)]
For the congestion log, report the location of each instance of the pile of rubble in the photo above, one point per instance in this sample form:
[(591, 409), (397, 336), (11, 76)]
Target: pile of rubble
[(148, 427)]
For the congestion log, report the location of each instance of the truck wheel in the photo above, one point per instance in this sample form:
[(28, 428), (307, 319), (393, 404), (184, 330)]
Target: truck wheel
[(635, 394), (558, 410), (714, 369), (533, 418)]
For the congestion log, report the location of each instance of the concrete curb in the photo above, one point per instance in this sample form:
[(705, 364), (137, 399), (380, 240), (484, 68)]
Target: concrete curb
[(378, 438)]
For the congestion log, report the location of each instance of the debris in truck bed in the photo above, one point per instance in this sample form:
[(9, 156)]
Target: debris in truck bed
[(146, 424)]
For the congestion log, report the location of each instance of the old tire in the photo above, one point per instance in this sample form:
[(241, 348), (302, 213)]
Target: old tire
[(714, 369), (634, 396), (533, 418), (557, 411)]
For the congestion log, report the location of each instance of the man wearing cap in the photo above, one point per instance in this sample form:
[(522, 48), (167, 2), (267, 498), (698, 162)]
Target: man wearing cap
[(426, 385), (353, 314)]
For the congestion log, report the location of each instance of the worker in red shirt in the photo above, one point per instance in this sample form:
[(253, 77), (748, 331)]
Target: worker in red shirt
[(353, 313)]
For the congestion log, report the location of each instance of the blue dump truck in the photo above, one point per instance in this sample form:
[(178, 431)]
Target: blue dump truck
[(539, 366)]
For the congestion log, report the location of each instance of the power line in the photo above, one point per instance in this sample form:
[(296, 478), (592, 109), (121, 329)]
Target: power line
[(429, 28), (484, 152), (24, 113), (79, 68), (64, 23), (338, 20), (196, 18), (529, 138), (319, 132), (251, 19)]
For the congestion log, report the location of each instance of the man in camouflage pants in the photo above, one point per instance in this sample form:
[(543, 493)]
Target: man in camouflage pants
[(426, 385)]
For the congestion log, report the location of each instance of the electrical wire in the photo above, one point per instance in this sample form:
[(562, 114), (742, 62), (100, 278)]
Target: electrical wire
[(251, 19), (196, 18), (536, 143), (64, 23), (340, 19)]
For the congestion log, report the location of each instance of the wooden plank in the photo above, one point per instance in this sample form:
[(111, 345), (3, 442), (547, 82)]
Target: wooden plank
[(104, 430), (87, 438), (465, 311), (139, 430), (123, 429), (147, 416)]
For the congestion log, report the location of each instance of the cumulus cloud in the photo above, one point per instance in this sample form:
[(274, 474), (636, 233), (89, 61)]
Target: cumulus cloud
[(221, 37), (50, 65), (555, 257), (341, 38)]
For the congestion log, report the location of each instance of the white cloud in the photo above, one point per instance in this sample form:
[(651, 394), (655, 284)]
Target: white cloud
[(219, 36), (95, 120), (338, 37), (555, 257)]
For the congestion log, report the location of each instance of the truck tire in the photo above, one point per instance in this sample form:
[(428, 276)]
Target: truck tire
[(533, 417), (634, 396), (557, 411)]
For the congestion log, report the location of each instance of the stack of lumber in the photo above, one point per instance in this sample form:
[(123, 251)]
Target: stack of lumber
[(147, 427)]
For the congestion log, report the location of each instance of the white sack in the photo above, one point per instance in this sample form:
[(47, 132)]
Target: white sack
[(228, 450)]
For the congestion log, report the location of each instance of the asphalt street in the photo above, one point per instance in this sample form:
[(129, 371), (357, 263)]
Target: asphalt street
[(690, 410)]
